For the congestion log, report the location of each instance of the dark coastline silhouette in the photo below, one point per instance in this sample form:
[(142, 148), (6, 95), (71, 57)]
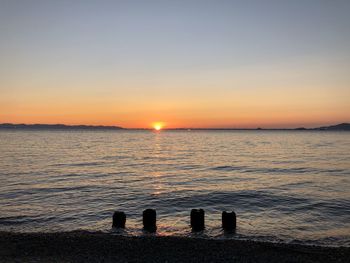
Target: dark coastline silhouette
[(337, 127), (57, 127)]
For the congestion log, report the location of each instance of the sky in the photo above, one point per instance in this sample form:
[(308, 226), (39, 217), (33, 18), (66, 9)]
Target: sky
[(233, 64)]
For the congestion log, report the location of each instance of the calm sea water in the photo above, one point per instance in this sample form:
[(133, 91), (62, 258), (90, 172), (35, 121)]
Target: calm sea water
[(284, 186)]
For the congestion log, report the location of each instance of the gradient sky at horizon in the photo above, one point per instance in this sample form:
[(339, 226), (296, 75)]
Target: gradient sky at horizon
[(185, 63)]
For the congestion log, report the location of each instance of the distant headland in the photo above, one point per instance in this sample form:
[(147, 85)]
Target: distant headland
[(56, 127), (11, 126), (337, 127)]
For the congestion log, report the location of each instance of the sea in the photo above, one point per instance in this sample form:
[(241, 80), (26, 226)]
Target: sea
[(284, 186)]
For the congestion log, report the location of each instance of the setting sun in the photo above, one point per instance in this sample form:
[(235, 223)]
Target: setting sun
[(158, 126)]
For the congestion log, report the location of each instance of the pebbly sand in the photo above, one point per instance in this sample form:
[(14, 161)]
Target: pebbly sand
[(81, 246)]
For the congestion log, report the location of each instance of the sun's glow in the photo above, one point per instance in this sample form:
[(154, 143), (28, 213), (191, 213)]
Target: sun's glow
[(158, 126)]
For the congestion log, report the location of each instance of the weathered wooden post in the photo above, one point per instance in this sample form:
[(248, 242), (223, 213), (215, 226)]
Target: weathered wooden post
[(197, 220), (229, 221), (119, 219), (150, 220)]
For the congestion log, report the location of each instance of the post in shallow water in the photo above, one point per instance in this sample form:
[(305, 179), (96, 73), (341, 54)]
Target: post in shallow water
[(149, 220), (119, 219), (197, 220), (229, 221)]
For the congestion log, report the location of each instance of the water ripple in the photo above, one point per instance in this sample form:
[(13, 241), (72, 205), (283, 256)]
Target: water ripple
[(284, 186)]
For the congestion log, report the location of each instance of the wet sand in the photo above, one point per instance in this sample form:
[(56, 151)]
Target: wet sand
[(83, 246)]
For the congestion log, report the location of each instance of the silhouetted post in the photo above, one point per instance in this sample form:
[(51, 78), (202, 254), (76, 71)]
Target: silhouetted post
[(119, 219), (229, 221), (197, 220), (150, 220)]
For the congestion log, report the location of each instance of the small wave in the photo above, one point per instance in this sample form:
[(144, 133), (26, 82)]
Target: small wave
[(336, 207), (13, 220), (46, 190), (189, 167), (228, 168), (277, 170), (246, 169), (245, 200), (80, 164), (115, 157), (22, 220)]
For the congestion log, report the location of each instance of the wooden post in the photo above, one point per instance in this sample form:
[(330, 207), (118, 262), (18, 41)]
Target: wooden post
[(150, 220), (197, 220), (229, 221), (119, 219)]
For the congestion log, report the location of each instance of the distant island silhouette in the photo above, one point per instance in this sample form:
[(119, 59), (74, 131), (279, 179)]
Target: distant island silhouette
[(338, 127), (9, 126), (56, 127)]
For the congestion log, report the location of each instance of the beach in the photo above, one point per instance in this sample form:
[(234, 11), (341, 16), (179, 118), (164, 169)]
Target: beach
[(82, 246)]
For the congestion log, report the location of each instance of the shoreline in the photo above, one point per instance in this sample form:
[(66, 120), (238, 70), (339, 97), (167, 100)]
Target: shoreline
[(83, 246)]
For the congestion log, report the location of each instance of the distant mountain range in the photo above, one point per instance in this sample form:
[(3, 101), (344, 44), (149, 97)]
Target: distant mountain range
[(338, 127), (56, 127)]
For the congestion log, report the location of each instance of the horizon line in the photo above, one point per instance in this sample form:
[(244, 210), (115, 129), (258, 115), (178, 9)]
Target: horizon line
[(164, 128)]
